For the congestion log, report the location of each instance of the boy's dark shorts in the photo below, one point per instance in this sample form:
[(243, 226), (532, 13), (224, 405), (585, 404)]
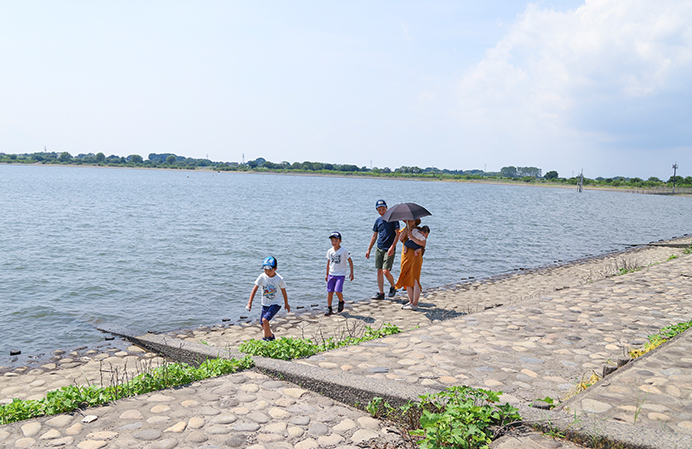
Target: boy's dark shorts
[(382, 260), (268, 312)]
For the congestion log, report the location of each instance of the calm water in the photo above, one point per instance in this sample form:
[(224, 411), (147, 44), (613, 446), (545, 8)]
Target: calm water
[(165, 250)]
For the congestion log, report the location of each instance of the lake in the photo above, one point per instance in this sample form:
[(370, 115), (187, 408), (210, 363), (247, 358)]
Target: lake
[(164, 250)]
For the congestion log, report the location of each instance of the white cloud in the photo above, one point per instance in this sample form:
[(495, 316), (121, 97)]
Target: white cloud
[(609, 73)]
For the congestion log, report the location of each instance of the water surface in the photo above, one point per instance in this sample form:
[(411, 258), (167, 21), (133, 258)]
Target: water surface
[(164, 250)]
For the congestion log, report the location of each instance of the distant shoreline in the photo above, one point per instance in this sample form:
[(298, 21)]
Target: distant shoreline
[(366, 176)]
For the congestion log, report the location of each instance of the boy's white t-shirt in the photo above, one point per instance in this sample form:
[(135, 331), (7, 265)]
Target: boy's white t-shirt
[(338, 261), (270, 287)]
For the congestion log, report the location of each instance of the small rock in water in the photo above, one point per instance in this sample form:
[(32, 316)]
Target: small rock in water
[(110, 338), (225, 319), (15, 352)]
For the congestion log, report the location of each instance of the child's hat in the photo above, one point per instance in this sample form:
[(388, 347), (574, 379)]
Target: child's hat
[(335, 235), (380, 203), (269, 262)]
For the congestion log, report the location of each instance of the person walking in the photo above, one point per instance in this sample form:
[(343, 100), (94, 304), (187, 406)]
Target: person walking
[(386, 235), (339, 263), (271, 283), (411, 265)]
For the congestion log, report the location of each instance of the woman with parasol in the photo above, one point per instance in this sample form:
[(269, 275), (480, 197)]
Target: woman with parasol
[(411, 263)]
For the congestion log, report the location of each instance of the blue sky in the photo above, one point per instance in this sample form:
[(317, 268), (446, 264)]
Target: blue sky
[(563, 85)]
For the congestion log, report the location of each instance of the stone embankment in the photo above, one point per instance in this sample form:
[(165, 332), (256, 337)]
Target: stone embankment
[(531, 335)]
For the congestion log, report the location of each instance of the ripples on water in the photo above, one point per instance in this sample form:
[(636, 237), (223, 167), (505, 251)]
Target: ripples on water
[(164, 250)]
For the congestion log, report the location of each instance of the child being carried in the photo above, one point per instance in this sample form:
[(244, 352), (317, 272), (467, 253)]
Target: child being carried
[(418, 234)]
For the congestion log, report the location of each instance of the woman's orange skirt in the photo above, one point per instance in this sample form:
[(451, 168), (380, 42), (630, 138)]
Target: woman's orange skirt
[(411, 267)]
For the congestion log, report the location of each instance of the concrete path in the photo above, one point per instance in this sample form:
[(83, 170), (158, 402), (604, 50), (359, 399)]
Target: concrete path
[(247, 409), (552, 329), (532, 349)]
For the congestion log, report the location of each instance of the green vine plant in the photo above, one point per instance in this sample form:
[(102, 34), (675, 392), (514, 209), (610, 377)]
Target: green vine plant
[(73, 397), (287, 348), (661, 337), (459, 417)]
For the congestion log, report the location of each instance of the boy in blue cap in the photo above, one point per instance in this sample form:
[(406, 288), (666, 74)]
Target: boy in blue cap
[(385, 233), (271, 282), (338, 264)]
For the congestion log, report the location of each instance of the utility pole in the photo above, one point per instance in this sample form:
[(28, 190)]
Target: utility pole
[(675, 171)]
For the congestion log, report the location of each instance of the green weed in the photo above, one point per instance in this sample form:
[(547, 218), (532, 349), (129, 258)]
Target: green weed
[(663, 336), (67, 399), (548, 400), (286, 348), (460, 417)]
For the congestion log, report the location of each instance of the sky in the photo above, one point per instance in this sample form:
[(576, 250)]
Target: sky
[(601, 86)]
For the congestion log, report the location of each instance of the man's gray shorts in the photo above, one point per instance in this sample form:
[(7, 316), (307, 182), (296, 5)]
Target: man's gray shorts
[(382, 260)]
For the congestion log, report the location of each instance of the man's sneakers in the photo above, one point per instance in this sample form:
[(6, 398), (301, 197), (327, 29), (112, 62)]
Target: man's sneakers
[(329, 312), (392, 293), (340, 308)]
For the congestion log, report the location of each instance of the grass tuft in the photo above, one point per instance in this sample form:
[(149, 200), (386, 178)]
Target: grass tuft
[(661, 337), (286, 348), (460, 416), (73, 397)]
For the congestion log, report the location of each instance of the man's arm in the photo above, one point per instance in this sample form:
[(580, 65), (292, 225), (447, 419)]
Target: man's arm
[(392, 248), (373, 239)]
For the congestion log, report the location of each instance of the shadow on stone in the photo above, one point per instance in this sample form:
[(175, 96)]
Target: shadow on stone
[(364, 319), (442, 314)]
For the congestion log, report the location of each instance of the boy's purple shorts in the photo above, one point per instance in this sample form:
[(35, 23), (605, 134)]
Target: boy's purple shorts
[(335, 283), (268, 312)]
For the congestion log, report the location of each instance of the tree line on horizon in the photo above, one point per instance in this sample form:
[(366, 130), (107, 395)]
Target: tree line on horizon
[(173, 161)]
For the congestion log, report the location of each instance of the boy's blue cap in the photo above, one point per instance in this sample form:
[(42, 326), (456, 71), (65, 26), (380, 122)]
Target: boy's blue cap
[(380, 203), (336, 235), (269, 262)]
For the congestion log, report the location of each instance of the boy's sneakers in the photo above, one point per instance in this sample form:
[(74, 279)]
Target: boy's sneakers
[(329, 311), (392, 292), (378, 296), (271, 338), (340, 308)]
